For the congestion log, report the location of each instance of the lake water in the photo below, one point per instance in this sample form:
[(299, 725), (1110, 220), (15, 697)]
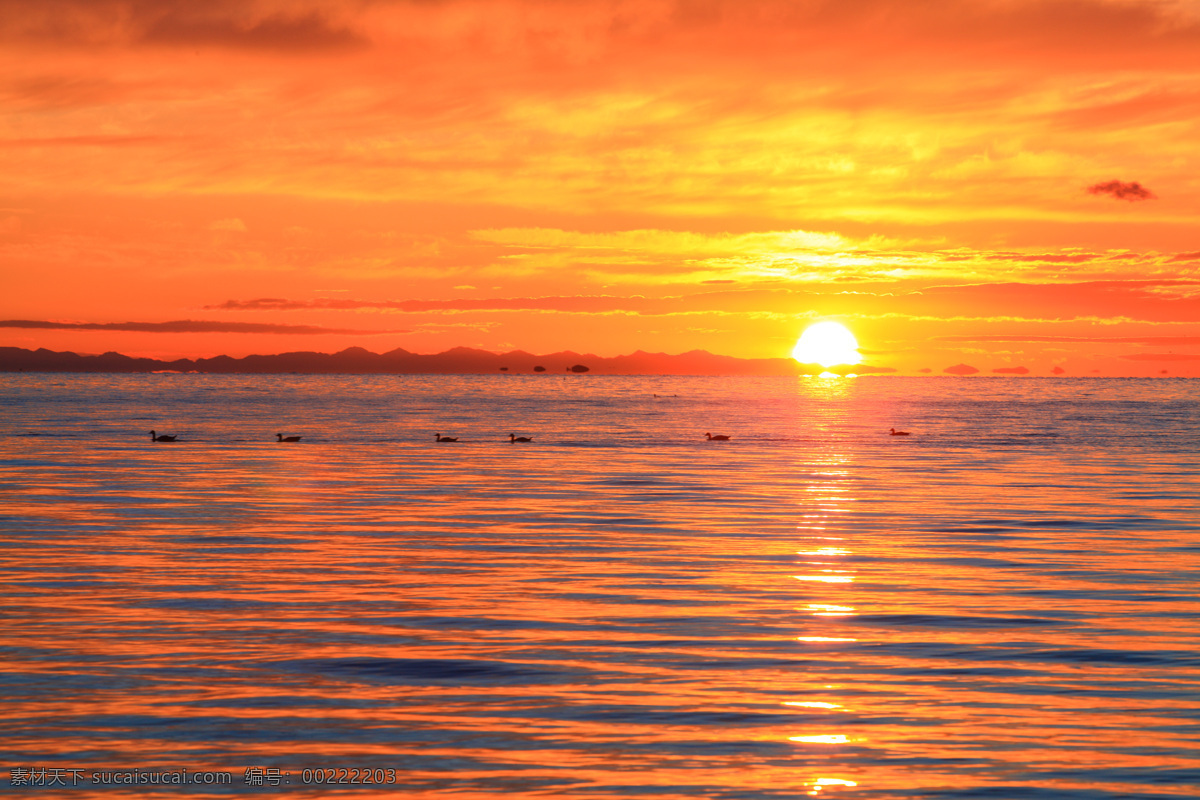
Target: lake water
[(1001, 605)]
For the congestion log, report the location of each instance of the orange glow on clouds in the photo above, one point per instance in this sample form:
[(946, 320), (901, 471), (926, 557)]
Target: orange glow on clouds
[(1010, 186)]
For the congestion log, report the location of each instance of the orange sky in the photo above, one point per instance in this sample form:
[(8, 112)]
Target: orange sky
[(606, 177)]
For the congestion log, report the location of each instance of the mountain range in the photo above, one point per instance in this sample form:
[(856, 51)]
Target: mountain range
[(459, 360)]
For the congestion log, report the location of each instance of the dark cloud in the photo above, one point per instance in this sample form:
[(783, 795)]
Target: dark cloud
[(1122, 190), (184, 326), (174, 23), (1012, 371), (306, 33)]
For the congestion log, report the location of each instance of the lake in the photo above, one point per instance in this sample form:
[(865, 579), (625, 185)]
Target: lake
[(1002, 604)]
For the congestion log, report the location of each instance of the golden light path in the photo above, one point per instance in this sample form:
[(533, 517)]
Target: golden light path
[(828, 344)]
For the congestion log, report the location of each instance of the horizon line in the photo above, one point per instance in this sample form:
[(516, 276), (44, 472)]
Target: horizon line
[(17, 359)]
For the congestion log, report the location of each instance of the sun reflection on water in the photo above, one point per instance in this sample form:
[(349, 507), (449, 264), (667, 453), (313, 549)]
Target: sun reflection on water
[(822, 783), (826, 578), (825, 610), (822, 738), (829, 498)]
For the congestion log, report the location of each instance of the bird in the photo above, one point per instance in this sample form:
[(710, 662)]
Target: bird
[(899, 433), (437, 437), (154, 437), (283, 438), (720, 437), (515, 438)]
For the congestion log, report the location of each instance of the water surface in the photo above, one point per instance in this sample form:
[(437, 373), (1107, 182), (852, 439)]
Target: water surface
[(1001, 605)]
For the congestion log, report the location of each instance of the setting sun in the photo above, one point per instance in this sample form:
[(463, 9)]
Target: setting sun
[(828, 344)]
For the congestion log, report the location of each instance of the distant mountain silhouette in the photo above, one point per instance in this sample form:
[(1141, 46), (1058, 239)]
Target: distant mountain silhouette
[(458, 361)]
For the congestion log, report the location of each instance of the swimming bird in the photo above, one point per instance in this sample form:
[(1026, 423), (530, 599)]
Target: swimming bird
[(437, 437), (899, 433), (154, 437), (283, 438), (515, 438), (720, 437)]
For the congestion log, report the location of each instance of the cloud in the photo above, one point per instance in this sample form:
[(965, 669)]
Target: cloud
[(1162, 357), (667, 241), (93, 141), (234, 224), (253, 24), (1123, 191), (1157, 300), (1160, 300), (1011, 371), (717, 302), (281, 33), (186, 326), (1159, 340), (794, 110), (579, 304), (1043, 258), (961, 369)]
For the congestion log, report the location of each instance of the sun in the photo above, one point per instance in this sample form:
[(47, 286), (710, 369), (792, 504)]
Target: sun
[(828, 344)]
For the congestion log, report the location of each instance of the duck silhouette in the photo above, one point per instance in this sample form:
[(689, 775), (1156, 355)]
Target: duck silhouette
[(899, 433), (283, 438), (437, 437), (154, 437), (720, 437), (515, 438)]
